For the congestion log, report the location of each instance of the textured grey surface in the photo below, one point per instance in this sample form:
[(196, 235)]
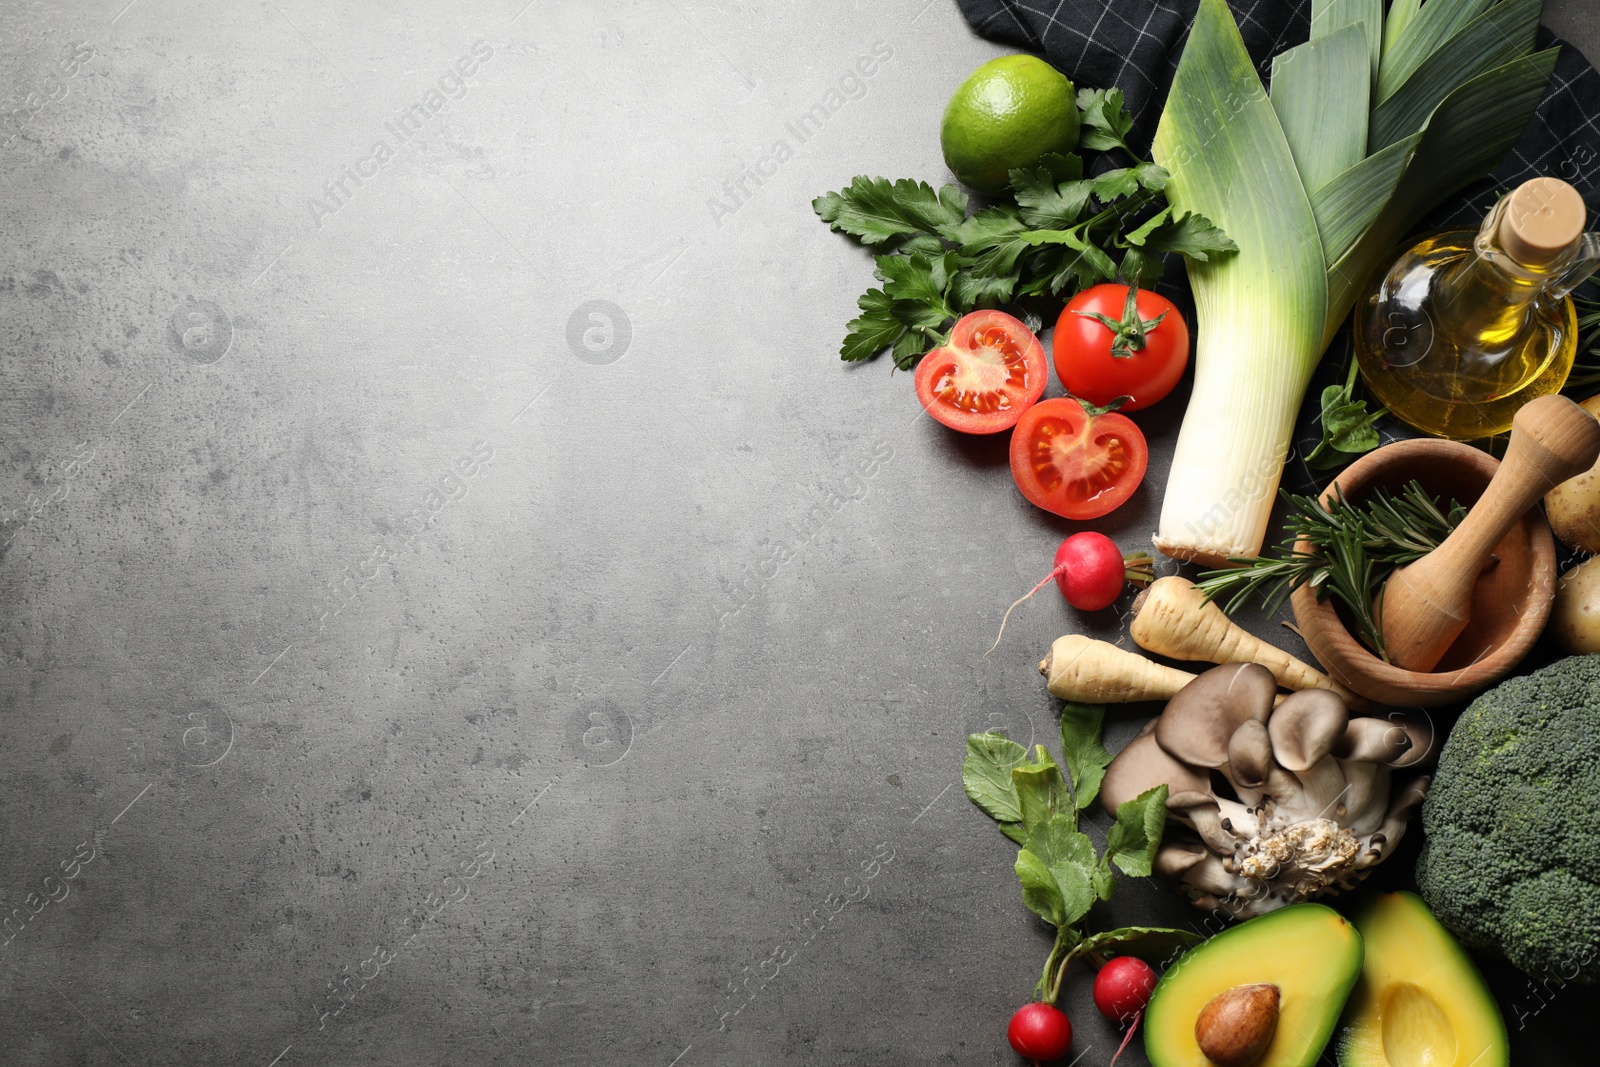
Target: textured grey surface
[(438, 665)]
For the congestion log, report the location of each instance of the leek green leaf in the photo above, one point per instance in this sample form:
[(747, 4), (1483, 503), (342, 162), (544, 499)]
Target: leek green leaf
[(1330, 16), (1469, 133), (1346, 206), (1321, 90), (1434, 23), (1504, 32), (1401, 12)]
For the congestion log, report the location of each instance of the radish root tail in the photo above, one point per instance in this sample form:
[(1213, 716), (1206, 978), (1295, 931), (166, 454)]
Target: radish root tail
[(1043, 582), (1126, 1038)]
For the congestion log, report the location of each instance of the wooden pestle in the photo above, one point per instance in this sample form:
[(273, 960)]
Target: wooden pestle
[(1425, 605)]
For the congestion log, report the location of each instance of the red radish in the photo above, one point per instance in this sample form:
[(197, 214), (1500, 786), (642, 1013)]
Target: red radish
[(1123, 988), (1091, 572), (1122, 991), (1040, 1032)]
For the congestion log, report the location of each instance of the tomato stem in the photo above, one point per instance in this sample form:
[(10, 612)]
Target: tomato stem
[(1129, 332)]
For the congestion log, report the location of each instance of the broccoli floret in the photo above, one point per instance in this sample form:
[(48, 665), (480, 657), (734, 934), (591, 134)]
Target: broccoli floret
[(1512, 858)]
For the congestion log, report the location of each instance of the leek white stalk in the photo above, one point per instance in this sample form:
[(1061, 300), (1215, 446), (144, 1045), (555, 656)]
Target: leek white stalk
[(1315, 196)]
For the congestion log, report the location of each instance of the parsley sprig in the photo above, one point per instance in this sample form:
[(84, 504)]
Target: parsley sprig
[(1058, 231)]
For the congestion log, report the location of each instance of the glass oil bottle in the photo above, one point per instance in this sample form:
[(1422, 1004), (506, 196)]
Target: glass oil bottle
[(1465, 327)]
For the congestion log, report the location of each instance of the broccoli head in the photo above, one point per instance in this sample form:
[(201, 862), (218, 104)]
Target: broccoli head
[(1512, 859)]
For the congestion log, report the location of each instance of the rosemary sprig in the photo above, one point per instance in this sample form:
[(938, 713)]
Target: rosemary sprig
[(1355, 549)]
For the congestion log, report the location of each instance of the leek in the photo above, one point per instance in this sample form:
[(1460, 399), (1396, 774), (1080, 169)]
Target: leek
[(1433, 98)]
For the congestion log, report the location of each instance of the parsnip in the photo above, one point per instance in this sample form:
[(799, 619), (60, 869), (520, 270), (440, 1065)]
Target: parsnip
[(1082, 669), (1172, 618)]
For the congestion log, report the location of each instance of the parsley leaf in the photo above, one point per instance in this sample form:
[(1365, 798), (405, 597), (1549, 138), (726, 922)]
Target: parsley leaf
[(874, 330), (1106, 122), (876, 211), (1049, 203), (1192, 235)]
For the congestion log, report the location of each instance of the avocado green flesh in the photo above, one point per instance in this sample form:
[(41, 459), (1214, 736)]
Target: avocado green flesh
[(1310, 952), (1420, 1001)]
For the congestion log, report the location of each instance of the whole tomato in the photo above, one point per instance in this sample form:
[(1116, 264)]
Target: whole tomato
[(1115, 341)]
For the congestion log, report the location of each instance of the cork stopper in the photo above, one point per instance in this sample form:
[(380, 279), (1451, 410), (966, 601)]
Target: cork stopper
[(1544, 218)]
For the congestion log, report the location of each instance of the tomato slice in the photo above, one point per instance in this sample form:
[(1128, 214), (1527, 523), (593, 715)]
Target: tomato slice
[(992, 371), (1076, 464)]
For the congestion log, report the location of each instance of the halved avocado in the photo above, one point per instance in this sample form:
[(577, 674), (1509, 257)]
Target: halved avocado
[(1309, 951), (1420, 1002)]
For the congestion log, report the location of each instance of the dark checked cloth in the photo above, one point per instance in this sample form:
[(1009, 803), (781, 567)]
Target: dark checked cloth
[(1135, 44)]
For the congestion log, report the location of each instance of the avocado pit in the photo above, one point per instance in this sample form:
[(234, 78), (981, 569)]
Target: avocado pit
[(1236, 1026)]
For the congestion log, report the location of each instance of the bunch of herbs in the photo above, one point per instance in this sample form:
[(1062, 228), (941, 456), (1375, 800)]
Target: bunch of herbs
[(1059, 231)]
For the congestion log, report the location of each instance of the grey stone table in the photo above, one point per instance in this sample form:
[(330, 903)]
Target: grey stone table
[(454, 606)]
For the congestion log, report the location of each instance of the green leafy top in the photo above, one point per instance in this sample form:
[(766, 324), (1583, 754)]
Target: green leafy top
[(1058, 231), (1061, 873)]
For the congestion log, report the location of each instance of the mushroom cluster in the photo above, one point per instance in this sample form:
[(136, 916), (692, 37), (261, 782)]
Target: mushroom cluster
[(1277, 804)]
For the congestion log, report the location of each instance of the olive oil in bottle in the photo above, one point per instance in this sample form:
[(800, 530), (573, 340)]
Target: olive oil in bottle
[(1467, 326)]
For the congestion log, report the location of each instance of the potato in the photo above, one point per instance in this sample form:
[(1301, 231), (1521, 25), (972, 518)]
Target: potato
[(1575, 620), (1573, 507)]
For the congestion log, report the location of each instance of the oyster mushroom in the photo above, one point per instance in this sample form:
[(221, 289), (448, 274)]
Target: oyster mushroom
[(1367, 795), (1388, 835), (1250, 755), (1304, 729), (1142, 766), (1176, 857), (1201, 811), (1311, 808), (1399, 740), (1198, 723)]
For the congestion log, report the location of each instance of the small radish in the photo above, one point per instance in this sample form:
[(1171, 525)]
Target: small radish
[(1122, 991), (1040, 1032), (1091, 572)]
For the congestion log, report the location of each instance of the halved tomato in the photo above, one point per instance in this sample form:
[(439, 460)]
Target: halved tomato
[(1075, 460), (992, 371)]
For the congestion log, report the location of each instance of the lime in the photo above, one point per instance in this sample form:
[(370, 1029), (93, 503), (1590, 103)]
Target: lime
[(1007, 114)]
